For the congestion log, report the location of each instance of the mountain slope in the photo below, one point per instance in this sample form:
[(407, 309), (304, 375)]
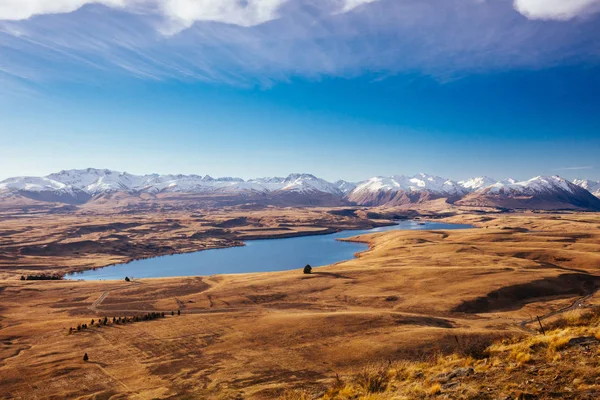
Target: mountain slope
[(399, 190), (103, 186), (541, 192), (591, 186)]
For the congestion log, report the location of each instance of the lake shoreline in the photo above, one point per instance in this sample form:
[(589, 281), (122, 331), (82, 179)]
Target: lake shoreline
[(295, 235)]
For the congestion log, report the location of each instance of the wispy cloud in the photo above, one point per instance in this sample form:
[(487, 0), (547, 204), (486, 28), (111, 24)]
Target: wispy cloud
[(575, 168), (263, 41)]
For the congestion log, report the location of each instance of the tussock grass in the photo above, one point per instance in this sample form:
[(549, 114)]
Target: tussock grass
[(516, 367)]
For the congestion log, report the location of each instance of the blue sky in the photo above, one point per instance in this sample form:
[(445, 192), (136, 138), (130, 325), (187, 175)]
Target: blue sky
[(339, 88)]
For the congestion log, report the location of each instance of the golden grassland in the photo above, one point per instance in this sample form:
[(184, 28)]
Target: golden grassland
[(420, 303), (563, 363)]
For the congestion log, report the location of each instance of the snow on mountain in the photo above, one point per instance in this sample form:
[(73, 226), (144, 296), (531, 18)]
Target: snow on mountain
[(417, 183), (541, 192), (400, 189), (31, 183), (344, 186), (539, 184), (93, 181), (591, 186), (308, 183), (79, 186), (480, 182)]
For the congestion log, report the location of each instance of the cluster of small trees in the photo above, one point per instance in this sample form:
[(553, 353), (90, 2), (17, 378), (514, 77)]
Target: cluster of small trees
[(122, 320), (41, 277)]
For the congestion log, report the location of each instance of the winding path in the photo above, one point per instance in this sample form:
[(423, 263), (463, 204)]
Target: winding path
[(577, 304)]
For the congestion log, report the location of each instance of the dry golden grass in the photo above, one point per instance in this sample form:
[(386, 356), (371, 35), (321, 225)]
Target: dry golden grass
[(413, 300), (515, 368)]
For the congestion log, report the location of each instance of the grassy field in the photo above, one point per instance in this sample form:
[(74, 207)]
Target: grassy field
[(413, 298)]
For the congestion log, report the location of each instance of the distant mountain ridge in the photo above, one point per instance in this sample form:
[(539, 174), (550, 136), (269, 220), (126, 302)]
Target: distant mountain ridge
[(591, 186), (82, 186), (540, 192)]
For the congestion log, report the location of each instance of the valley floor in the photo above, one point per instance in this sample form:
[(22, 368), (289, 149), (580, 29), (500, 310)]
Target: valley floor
[(413, 295), (53, 242)]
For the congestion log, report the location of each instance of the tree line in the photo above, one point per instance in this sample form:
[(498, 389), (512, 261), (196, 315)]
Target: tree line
[(121, 320)]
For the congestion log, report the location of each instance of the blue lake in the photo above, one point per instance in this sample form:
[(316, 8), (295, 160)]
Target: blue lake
[(256, 256)]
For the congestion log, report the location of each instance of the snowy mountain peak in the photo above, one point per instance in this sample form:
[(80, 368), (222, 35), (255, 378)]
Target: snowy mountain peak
[(297, 176), (344, 186), (417, 183), (589, 185), (539, 184), (477, 183)]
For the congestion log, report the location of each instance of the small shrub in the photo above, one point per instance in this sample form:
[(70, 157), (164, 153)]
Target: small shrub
[(85, 357), (521, 357), (434, 389), (558, 343), (372, 379)]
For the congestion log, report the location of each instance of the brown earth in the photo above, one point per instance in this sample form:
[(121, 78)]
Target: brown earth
[(257, 335)]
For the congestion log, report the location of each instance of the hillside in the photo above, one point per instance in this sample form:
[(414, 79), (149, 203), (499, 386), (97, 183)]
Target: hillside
[(546, 193), (560, 363)]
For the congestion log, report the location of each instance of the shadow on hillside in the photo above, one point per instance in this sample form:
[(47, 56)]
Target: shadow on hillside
[(514, 297)]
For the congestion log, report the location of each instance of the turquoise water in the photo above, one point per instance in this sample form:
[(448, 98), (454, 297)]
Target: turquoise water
[(257, 256)]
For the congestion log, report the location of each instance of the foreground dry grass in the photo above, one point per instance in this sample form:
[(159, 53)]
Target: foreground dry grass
[(413, 295), (561, 363)]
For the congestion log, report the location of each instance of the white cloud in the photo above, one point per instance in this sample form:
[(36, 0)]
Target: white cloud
[(23, 9), (309, 38), (237, 12), (179, 14), (556, 9)]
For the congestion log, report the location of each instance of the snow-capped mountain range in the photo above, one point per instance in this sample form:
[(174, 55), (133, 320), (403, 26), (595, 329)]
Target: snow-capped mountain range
[(96, 181), (541, 192), (80, 186), (591, 186)]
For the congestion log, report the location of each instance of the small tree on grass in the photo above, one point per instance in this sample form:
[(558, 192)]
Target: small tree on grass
[(178, 312), (85, 357), (92, 323), (307, 269), (127, 279), (172, 313)]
